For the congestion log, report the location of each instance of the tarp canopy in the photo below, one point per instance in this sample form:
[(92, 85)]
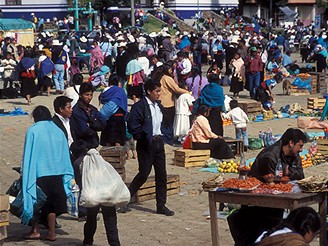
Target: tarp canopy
[(290, 14), (7, 24)]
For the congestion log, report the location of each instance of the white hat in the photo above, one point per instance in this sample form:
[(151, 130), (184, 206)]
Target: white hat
[(122, 44), (237, 32), (142, 40), (185, 33), (120, 38), (118, 33), (177, 33), (32, 13), (83, 39), (40, 47), (235, 40), (56, 42), (43, 34), (131, 38), (153, 34)]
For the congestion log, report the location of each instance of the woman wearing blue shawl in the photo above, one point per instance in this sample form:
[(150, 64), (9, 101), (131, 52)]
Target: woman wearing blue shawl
[(212, 96), (26, 69), (46, 67), (45, 164), (114, 111)]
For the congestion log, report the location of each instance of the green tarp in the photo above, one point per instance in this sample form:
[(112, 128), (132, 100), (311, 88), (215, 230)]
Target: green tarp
[(7, 24)]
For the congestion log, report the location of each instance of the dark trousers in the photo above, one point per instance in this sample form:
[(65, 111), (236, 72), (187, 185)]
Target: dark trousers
[(148, 156), (167, 129), (110, 221)]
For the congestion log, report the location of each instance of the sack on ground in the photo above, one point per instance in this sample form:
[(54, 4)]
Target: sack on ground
[(101, 184)]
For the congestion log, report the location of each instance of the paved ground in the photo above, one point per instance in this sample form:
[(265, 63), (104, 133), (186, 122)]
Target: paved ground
[(140, 226)]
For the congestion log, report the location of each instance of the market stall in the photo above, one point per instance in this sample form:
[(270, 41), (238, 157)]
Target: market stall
[(20, 29), (271, 194)]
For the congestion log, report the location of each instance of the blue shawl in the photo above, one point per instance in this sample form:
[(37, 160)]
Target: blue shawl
[(116, 95), (211, 95), (25, 64), (46, 153), (185, 42), (46, 67)]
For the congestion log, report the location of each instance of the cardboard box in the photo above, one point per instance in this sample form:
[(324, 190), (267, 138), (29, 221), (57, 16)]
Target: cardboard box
[(4, 202)]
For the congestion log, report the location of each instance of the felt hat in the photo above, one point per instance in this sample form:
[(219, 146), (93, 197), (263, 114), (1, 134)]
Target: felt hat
[(122, 44), (152, 34), (120, 38), (56, 42), (253, 48), (83, 39)]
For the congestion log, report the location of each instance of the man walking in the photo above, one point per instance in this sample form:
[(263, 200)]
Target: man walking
[(145, 121)]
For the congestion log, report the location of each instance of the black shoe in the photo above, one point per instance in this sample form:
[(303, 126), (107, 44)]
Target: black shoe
[(164, 210), (124, 209)]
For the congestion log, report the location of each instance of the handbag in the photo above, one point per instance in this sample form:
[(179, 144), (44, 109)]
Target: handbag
[(17, 206)]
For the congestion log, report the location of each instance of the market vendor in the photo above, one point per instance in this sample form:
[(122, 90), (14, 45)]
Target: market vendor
[(287, 149), (247, 223)]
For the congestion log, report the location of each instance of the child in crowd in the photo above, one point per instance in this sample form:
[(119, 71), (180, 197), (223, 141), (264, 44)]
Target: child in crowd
[(74, 69), (268, 104), (240, 120), (214, 69), (181, 124), (9, 66)]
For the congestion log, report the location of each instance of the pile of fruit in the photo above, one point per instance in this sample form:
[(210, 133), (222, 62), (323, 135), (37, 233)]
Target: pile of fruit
[(248, 183), (306, 161), (227, 122), (229, 167), (318, 158)]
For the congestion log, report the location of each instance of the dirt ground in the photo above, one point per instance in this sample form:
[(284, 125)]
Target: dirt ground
[(141, 226)]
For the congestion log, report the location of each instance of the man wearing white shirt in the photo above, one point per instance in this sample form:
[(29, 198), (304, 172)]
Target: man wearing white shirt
[(63, 111), (145, 122)]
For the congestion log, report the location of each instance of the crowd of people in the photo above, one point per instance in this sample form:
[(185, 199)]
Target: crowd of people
[(163, 74)]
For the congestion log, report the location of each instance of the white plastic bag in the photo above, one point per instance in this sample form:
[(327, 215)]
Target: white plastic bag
[(101, 184)]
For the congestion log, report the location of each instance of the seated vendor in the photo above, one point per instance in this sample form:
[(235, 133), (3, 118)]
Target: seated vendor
[(247, 223), (289, 64), (202, 136), (264, 90)]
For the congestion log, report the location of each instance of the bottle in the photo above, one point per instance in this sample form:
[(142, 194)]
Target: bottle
[(279, 171)]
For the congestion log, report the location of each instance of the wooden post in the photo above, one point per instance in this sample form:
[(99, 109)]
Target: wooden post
[(322, 214)]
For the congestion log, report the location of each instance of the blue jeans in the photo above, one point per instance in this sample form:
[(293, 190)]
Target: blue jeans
[(59, 77), (254, 82), (242, 132)]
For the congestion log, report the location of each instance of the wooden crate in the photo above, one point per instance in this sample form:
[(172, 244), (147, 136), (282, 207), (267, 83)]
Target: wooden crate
[(299, 91), (321, 82), (148, 190), (3, 233), (250, 107), (116, 156), (236, 145), (190, 157), (323, 146), (316, 103)]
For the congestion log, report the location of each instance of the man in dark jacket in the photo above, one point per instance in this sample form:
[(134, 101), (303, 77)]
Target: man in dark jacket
[(247, 223), (85, 122), (145, 122), (122, 60), (287, 149)]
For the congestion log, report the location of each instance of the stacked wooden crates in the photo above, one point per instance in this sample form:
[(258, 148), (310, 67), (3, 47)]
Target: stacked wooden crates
[(323, 146), (251, 107), (321, 82), (316, 103), (148, 190), (116, 156), (236, 145)]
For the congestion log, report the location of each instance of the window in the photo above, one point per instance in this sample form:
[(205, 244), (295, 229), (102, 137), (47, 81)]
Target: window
[(13, 2)]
